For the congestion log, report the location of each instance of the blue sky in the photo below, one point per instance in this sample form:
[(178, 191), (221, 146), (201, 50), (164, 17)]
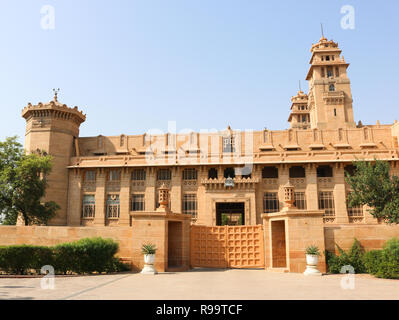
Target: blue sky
[(135, 65)]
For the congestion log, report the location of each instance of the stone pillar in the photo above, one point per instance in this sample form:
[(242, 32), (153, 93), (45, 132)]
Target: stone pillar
[(203, 213), (74, 198), (150, 189), (257, 174), (341, 212), (175, 191), (311, 187), (283, 178), (99, 219), (124, 198)]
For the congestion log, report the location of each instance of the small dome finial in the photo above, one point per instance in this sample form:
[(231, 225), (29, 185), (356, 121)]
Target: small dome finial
[(56, 93)]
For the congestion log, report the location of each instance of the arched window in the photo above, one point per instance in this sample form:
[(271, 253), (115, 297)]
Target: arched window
[(297, 172), (324, 171), (229, 172), (270, 173), (213, 173), (332, 87)]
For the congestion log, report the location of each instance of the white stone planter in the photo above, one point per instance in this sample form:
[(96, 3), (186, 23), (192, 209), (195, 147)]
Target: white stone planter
[(311, 269), (149, 260)]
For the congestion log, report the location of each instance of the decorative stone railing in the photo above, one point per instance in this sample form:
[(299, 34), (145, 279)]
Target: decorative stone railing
[(325, 182), (298, 181), (328, 219), (356, 219), (89, 186), (239, 183), (270, 181)]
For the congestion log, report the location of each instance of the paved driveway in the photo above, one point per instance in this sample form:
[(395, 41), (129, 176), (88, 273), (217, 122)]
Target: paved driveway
[(204, 284)]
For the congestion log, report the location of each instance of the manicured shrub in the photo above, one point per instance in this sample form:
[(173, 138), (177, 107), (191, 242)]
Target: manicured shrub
[(372, 260), (19, 259), (65, 258), (86, 255), (83, 256), (389, 263), (353, 257)]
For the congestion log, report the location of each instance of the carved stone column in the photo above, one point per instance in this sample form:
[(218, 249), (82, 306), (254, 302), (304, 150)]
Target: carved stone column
[(176, 193), (124, 197), (341, 212), (99, 218), (74, 198), (283, 179), (311, 187), (150, 189)]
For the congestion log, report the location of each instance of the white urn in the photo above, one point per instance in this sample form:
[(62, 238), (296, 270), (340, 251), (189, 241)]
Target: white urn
[(149, 268), (311, 265)]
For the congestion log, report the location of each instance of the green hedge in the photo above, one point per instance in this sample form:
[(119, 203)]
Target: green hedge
[(352, 257), (83, 256), (384, 263), (381, 263)]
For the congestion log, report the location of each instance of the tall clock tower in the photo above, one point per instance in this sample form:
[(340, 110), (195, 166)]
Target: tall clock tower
[(330, 97), (54, 128)]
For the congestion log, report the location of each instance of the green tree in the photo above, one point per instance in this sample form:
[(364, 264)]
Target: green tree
[(373, 185), (23, 184)]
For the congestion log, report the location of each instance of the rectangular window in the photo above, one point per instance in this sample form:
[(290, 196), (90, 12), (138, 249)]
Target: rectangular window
[(90, 175), (190, 204), (329, 72), (163, 174), (356, 211), (270, 202), (190, 174), (270, 173), (137, 203), (138, 175), (229, 144), (326, 202), (113, 206), (114, 175), (88, 206), (300, 200)]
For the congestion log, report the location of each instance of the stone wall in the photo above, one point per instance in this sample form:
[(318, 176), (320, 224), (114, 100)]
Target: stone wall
[(370, 236)]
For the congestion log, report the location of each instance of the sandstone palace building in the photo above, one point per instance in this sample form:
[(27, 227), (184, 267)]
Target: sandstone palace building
[(227, 177)]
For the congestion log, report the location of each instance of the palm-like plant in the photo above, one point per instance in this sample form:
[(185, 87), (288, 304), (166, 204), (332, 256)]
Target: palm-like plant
[(148, 248), (313, 250)]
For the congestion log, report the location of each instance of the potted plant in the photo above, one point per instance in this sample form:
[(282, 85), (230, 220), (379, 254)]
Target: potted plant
[(312, 259), (149, 249)]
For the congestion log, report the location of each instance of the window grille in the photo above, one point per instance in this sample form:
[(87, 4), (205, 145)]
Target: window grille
[(114, 175), (137, 203), (190, 204), (138, 175), (229, 144), (113, 206), (326, 202), (354, 211), (300, 200), (90, 175), (88, 206), (163, 174), (190, 174), (270, 202)]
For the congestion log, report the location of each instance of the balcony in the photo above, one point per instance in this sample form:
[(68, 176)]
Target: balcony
[(239, 183)]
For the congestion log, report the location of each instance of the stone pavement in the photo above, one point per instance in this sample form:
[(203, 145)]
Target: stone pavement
[(203, 284)]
